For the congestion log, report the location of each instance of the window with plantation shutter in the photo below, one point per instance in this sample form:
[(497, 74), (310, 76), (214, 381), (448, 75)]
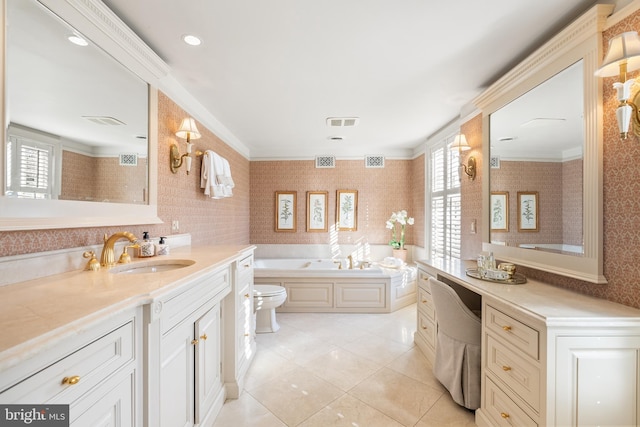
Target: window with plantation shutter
[(444, 184), (30, 169)]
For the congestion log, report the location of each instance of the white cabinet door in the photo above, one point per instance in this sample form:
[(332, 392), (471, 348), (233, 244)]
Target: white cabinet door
[(176, 378), (115, 408), (597, 381), (208, 364)]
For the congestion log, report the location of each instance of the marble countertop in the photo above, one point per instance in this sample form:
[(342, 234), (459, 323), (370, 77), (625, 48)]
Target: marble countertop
[(35, 311), (552, 305)]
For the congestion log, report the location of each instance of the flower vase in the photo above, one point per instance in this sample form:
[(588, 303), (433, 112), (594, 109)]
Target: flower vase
[(400, 254)]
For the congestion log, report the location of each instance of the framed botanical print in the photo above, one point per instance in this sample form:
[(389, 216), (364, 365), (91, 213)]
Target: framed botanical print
[(499, 211), (347, 210), (528, 211), (317, 211), (285, 212)]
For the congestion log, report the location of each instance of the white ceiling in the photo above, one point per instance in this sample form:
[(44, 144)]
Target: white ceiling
[(272, 72)]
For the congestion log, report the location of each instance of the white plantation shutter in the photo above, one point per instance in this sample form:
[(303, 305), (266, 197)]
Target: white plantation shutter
[(445, 202), (30, 169)]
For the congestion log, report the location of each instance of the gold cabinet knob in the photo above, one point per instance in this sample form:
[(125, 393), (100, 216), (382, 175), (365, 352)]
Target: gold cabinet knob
[(204, 336), (424, 327), (506, 368), (246, 295), (246, 335), (194, 342), (506, 328), (71, 380), (504, 415)]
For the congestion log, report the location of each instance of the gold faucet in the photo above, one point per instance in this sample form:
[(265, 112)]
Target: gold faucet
[(108, 257), (350, 257)]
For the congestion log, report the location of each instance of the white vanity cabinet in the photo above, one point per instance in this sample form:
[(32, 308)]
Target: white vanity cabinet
[(98, 372), (184, 337), (425, 336), (550, 357), (239, 328)]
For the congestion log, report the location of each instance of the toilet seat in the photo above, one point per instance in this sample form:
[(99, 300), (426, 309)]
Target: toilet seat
[(268, 290)]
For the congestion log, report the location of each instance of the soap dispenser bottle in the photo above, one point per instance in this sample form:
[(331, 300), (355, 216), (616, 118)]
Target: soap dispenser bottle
[(162, 248), (147, 248)]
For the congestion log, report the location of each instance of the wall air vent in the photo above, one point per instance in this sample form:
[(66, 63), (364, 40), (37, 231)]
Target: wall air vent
[(374, 162), (494, 162), (128, 159), (342, 121), (104, 120), (325, 162)]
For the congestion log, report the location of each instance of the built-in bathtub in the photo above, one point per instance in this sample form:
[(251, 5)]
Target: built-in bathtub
[(327, 285)]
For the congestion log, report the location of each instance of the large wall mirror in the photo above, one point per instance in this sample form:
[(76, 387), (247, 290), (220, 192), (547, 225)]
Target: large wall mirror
[(80, 125), (536, 166), (542, 141)]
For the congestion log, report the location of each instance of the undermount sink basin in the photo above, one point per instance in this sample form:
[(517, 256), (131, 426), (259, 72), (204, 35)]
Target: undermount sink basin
[(154, 266)]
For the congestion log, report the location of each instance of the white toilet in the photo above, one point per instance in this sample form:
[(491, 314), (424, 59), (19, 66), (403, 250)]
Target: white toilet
[(265, 300)]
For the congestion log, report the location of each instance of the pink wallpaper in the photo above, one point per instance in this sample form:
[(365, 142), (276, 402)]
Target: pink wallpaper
[(209, 221), (92, 179), (418, 199), (380, 192), (471, 191), (248, 216), (621, 205), (540, 177)]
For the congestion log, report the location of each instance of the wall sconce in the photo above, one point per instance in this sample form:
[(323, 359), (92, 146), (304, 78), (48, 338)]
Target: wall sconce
[(188, 131), (623, 56), (460, 143)]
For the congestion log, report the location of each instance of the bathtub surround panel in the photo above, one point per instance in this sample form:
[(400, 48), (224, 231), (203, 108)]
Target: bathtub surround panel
[(319, 285)]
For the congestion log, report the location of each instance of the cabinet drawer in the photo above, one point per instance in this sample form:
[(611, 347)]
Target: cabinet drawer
[(425, 303), (503, 410), (91, 364), (177, 307), (427, 329), (512, 331), (517, 372), (423, 277)]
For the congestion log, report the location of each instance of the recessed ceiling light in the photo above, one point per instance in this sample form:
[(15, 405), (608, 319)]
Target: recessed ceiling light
[(77, 40), (191, 40)]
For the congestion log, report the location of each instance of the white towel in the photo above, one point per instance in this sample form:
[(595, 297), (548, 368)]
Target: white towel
[(227, 180), (208, 177)]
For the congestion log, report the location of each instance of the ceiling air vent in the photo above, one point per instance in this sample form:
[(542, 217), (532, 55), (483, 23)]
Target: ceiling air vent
[(129, 159), (325, 162), (342, 121), (374, 161), (104, 120)]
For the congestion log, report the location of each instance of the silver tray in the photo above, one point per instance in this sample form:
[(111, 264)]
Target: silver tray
[(517, 279)]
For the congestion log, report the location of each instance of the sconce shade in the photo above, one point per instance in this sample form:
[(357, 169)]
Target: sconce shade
[(623, 47), (460, 143), (188, 129)]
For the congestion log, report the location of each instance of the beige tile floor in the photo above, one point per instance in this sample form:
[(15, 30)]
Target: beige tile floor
[(355, 370)]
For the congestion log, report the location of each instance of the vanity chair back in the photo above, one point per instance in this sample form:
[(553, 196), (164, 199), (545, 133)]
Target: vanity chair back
[(457, 362)]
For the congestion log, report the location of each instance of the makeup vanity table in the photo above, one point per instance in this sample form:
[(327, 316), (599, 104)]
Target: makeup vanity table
[(550, 357)]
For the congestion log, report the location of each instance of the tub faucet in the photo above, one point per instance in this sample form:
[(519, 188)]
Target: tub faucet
[(108, 257)]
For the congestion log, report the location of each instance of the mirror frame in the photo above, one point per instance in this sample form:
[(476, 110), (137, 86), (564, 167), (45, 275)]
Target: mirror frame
[(97, 22), (582, 39)]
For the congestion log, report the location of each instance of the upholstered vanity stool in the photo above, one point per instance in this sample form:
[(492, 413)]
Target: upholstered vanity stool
[(457, 362)]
